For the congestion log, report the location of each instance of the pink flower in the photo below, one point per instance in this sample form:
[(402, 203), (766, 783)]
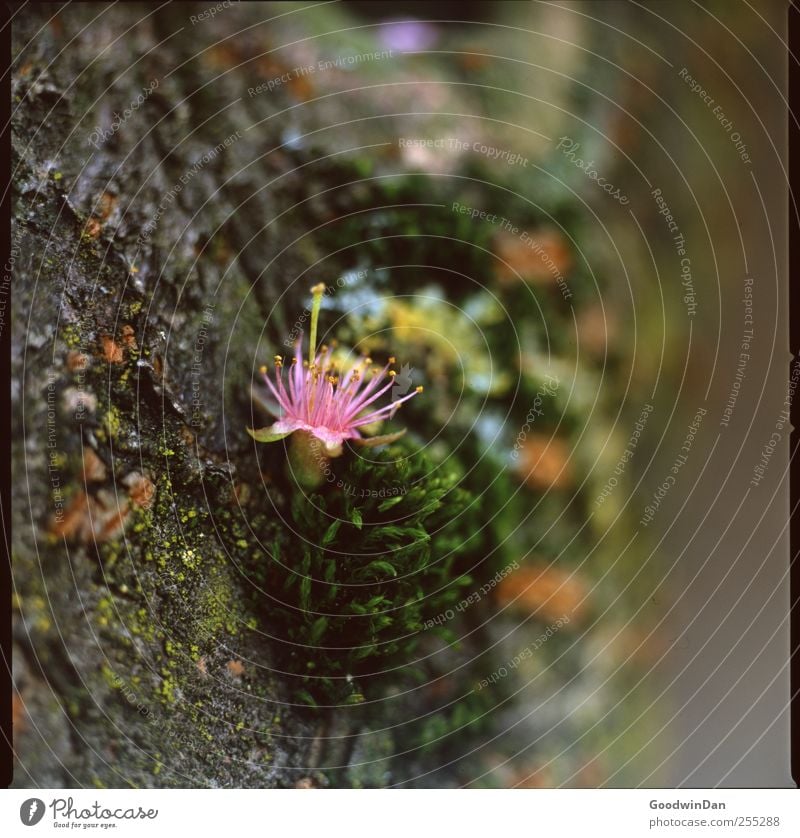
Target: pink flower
[(314, 397)]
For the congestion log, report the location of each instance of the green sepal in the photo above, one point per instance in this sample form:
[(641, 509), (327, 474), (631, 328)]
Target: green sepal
[(267, 435)]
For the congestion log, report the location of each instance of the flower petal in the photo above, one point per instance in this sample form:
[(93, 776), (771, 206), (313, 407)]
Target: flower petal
[(333, 439)]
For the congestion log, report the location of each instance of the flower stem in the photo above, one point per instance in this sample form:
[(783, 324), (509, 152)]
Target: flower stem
[(307, 460)]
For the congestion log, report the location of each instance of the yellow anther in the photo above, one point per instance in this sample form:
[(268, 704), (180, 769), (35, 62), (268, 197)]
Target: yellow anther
[(319, 288), (392, 360), (262, 369), (367, 361), (420, 388), (392, 373), (278, 358)]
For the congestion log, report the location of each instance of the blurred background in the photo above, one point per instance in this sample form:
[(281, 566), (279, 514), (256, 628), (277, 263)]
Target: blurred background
[(565, 220)]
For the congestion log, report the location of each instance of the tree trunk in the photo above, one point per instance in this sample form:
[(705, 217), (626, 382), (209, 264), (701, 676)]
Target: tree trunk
[(146, 266)]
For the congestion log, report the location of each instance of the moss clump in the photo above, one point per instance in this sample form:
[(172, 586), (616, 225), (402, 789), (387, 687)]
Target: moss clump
[(358, 568)]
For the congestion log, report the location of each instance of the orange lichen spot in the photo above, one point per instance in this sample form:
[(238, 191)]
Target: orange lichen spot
[(19, 715), (112, 523), (474, 61), (235, 668), (112, 351), (140, 489), (128, 336), (301, 88), (593, 773), (222, 56), (540, 257), (549, 592), (597, 328), (530, 777), (511, 774), (106, 205), (305, 783), (93, 228), (76, 361), (94, 469), (73, 523), (544, 463)]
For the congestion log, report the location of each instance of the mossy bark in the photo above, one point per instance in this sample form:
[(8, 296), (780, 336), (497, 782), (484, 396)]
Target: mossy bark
[(139, 301)]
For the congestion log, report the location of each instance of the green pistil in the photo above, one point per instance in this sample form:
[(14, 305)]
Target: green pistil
[(317, 291)]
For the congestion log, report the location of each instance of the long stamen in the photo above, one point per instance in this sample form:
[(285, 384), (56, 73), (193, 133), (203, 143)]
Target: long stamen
[(279, 378), (387, 411), (371, 392)]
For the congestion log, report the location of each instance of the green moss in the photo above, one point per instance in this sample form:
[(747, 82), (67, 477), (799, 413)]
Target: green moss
[(382, 558)]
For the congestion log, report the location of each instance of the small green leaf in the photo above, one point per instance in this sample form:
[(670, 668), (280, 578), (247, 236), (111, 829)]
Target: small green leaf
[(305, 592), (448, 635), (375, 601), (317, 630), (364, 651), (306, 698), (388, 504), (383, 566), (381, 622), (355, 517), (267, 434), (330, 533)]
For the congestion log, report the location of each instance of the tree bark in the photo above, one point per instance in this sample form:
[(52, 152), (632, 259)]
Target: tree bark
[(146, 271)]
